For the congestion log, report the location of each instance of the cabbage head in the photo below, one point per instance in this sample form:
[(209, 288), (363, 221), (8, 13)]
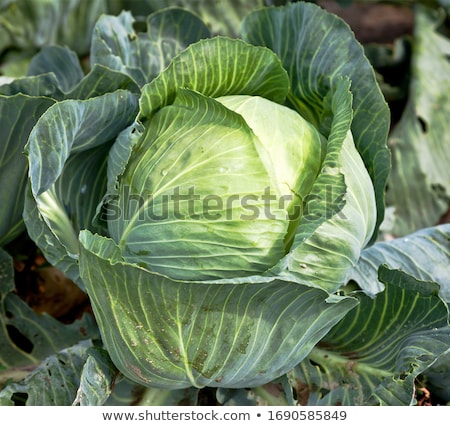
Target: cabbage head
[(211, 193), (237, 203), (216, 188)]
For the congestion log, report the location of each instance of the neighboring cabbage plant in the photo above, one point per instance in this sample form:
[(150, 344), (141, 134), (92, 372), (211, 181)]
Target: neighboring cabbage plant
[(221, 224)]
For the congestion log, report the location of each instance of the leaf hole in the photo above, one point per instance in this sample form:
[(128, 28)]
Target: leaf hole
[(139, 26), (19, 398), (19, 339), (423, 124), (318, 366)]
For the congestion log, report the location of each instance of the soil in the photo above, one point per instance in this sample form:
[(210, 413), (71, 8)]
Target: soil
[(44, 287)]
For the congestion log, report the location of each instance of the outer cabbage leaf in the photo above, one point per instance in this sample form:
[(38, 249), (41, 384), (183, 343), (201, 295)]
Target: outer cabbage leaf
[(67, 153), (101, 80), (18, 115), (23, 101), (82, 374), (74, 126), (97, 378), (39, 85), (425, 255), (217, 67), (419, 185), (143, 56), (54, 382), (374, 354), (56, 72), (317, 49), (25, 24), (26, 337), (173, 334), (62, 61)]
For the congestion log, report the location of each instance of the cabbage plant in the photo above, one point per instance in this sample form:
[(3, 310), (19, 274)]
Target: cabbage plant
[(214, 207)]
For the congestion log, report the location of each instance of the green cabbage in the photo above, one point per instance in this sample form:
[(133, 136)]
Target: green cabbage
[(214, 221), (210, 194)]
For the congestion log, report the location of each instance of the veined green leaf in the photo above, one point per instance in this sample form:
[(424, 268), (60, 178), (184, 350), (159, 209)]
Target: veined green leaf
[(62, 61), (40, 85), (25, 23), (18, 115), (306, 261), (26, 337), (143, 56), (425, 255), (60, 250), (97, 378), (101, 80), (54, 218), (116, 45), (172, 30), (74, 126), (67, 153), (59, 76), (419, 185), (81, 186), (173, 334), (54, 382), (218, 67), (327, 257), (374, 354), (317, 48)]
